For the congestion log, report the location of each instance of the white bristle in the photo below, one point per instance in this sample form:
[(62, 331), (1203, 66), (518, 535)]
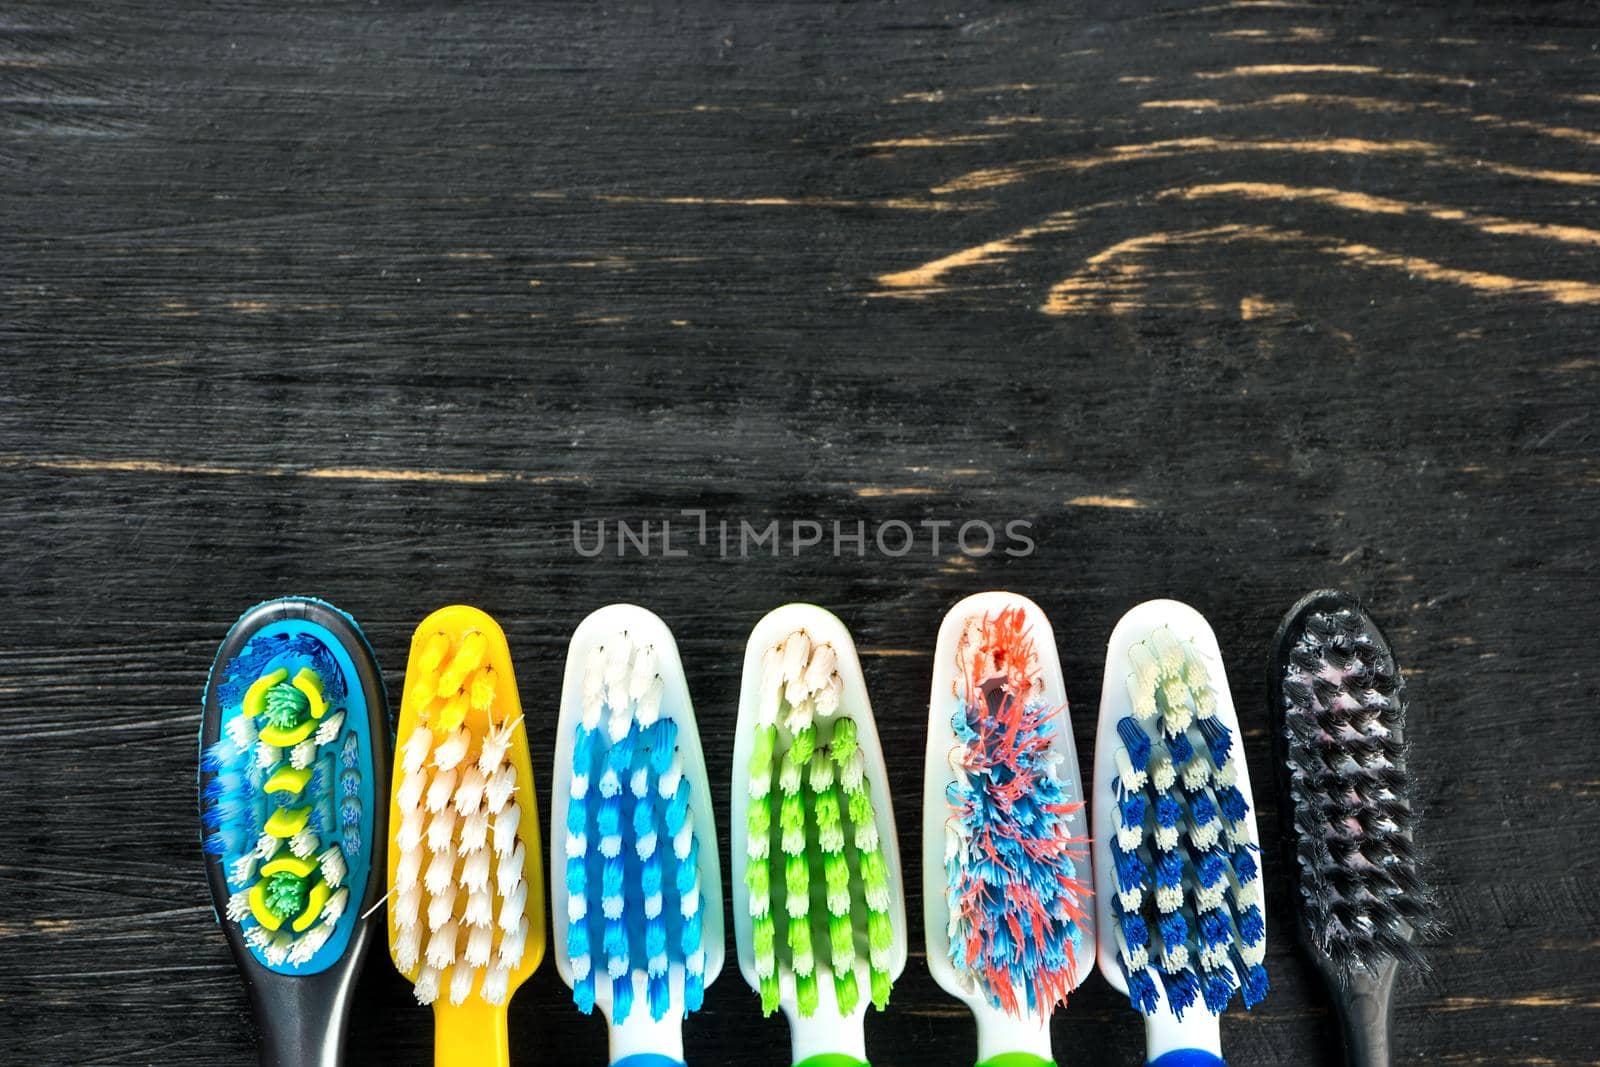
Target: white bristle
[(644, 671), (257, 937), (512, 943), (469, 794), (652, 905), (1129, 837), (649, 709), (577, 907), (1142, 697), (1167, 651), (505, 827), (1176, 714), (441, 828), (1145, 669), (302, 755), (243, 869), (267, 755), (771, 687), (1131, 899), (866, 837), (426, 989), (452, 750), (475, 870), (461, 976), (478, 944), (820, 668), (440, 790), (795, 689), (442, 945), (1254, 954), (796, 651), (266, 845), (409, 795), (277, 950), (758, 846), (500, 787), (682, 840), (620, 723), (1195, 672), (441, 906), (514, 899), (474, 831), (334, 908), (1205, 836), (854, 772), (480, 909), (328, 729), (440, 872), (407, 946), (496, 983), (242, 732), (799, 717), (493, 751), (1174, 957), (310, 944), (577, 845), (1169, 899), (1207, 899), (1227, 774), (238, 905), (639, 781), (690, 902), (411, 829), (1166, 838), (594, 680), (789, 779), (407, 906), (1196, 773), (1205, 703), (1132, 780), (826, 700), (1162, 774), (304, 843), (408, 869)]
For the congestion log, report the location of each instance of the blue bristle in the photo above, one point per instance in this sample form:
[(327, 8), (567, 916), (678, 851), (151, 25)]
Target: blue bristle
[(211, 818), (1204, 809), (1134, 931), (694, 990), (689, 934), (350, 812), (650, 875), (350, 783), (578, 814), (1215, 929), (352, 844), (677, 808), (621, 998), (1251, 926), (655, 937), (608, 817), (611, 878), (1136, 741), (216, 787), (1179, 746), (257, 659), (1182, 989), (660, 996), (583, 749), (1142, 991), (583, 993), (1254, 988), (1132, 809), (1234, 806), (1169, 869), (1168, 812), (1212, 866), (1218, 738), (217, 844), (577, 876), (962, 727), (618, 758), (1244, 863), (350, 756), (644, 823), (1131, 871), (1174, 929), (220, 755), (578, 937), (1218, 991), (663, 740), (615, 941), (688, 869)]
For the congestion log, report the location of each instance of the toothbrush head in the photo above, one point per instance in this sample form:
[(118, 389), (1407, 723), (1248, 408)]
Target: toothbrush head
[(1339, 710), (295, 750), (466, 914), (818, 903), (638, 886), (1005, 836), (1177, 869)]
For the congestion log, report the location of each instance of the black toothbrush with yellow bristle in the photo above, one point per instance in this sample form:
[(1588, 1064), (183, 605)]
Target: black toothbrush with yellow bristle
[(1338, 706)]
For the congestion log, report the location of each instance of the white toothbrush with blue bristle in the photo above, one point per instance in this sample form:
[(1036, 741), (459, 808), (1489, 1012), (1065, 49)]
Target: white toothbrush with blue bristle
[(1176, 857), (636, 886)]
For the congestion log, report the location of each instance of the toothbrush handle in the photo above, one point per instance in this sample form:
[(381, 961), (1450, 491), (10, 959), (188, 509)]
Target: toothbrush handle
[(1363, 1010), (470, 1034), (648, 1059), (1017, 1059), (302, 1020), (832, 1059), (1188, 1057)]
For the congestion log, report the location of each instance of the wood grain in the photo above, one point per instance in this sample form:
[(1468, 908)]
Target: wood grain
[(1229, 299)]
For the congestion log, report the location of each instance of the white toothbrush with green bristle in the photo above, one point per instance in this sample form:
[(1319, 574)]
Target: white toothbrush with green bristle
[(818, 902)]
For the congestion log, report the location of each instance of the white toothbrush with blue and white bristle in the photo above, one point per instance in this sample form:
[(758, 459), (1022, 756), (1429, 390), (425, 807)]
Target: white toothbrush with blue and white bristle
[(1176, 858), (636, 886)]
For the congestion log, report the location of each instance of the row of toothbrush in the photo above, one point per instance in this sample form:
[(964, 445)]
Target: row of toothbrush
[(1021, 897)]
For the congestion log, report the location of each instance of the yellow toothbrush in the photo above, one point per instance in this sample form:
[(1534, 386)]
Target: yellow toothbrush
[(466, 877)]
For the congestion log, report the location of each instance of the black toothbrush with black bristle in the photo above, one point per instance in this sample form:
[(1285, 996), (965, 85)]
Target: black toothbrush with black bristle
[(1338, 708)]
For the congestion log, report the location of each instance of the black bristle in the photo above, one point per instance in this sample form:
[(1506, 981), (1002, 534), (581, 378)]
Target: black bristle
[(1364, 896)]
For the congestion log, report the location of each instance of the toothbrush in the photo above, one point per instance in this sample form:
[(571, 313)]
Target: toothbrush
[(1176, 867), (637, 888), (1338, 707), (818, 903), (294, 742), (466, 878), (1005, 890)]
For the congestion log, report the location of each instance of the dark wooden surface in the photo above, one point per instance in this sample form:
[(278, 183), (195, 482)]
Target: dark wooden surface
[(1230, 300)]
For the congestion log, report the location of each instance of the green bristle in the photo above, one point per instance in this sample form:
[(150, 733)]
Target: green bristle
[(845, 989), (860, 805), (842, 745), (797, 888), (761, 750), (830, 831), (758, 880), (758, 819), (806, 994), (770, 993), (880, 937), (842, 941), (764, 934), (874, 874), (836, 874), (801, 957), (792, 821), (880, 988), (804, 743), (287, 707)]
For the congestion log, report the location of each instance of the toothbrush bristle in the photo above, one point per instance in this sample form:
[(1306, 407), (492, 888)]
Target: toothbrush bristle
[(1362, 890), (811, 823), (1188, 908), (1017, 903), (633, 862), (459, 889), (284, 801)]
